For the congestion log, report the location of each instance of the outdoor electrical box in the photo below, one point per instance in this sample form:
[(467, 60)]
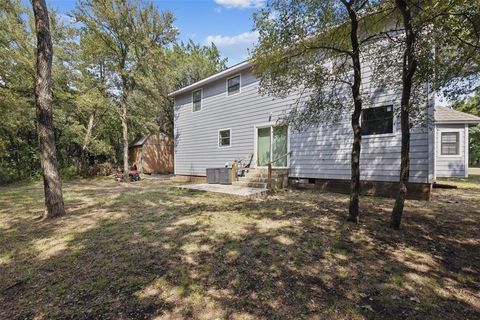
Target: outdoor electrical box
[(219, 175)]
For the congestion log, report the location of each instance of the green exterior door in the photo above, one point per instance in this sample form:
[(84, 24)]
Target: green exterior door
[(279, 145), (263, 146), (272, 143)]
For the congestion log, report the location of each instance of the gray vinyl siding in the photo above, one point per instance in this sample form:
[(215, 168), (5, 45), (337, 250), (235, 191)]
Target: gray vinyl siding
[(452, 165), (319, 152)]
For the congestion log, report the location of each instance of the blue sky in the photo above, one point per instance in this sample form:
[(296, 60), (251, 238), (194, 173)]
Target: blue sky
[(227, 23)]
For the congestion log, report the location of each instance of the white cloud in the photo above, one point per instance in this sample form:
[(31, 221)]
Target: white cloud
[(242, 38), (243, 4), (235, 48)]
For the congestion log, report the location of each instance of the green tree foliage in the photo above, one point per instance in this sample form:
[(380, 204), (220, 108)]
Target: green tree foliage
[(446, 49), (128, 33), (18, 151), (87, 85), (181, 65), (456, 35), (18, 139), (472, 106)]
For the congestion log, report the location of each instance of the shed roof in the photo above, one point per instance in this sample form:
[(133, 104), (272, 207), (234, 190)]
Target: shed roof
[(139, 141), (143, 139), (446, 115)]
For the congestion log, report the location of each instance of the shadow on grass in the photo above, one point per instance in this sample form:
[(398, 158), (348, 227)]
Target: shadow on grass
[(147, 250)]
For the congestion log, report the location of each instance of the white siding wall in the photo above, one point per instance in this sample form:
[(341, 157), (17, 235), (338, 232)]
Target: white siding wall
[(452, 165), (320, 152)]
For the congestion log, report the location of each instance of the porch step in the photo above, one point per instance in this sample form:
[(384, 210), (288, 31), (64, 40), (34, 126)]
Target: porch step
[(258, 178)]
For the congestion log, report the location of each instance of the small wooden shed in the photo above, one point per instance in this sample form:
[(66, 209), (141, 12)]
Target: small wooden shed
[(152, 153)]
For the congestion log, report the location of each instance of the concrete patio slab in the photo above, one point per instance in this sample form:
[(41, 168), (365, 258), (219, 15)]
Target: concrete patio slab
[(226, 189)]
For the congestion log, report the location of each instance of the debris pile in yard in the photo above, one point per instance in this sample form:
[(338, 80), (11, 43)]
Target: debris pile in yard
[(133, 174)]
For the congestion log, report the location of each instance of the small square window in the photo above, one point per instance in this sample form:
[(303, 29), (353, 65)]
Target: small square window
[(224, 138), (378, 120), (450, 144), (233, 85), (197, 100)]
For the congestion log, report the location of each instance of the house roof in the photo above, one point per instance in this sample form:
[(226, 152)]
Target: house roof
[(227, 72), (446, 115), (235, 68)]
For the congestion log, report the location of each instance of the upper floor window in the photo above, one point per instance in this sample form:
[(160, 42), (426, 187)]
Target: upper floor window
[(233, 85), (224, 138), (450, 144), (197, 100), (377, 120)]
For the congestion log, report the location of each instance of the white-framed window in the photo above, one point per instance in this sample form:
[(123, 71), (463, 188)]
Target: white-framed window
[(450, 143), (197, 100), (224, 138), (233, 85), (377, 120)]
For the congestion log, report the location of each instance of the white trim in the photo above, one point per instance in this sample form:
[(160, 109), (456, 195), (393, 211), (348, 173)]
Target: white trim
[(431, 133), (201, 99), (239, 85), (471, 122), (466, 143), (432, 138), (255, 144), (174, 147), (255, 137), (288, 146), (218, 138), (232, 70), (379, 135), (451, 130)]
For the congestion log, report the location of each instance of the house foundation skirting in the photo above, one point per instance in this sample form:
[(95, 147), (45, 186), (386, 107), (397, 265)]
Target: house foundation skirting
[(387, 189), (416, 191)]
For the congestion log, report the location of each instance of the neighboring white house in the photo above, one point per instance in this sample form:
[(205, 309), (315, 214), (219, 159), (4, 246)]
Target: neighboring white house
[(224, 117), (451, 149)]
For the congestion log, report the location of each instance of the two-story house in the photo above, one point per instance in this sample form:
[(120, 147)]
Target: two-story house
[(224, 117)]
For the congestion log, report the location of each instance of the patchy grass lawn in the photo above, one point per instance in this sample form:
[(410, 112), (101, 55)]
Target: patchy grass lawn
[(148, 250), (472, 182)]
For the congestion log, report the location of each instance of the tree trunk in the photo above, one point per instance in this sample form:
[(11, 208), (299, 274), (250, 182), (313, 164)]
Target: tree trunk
[(43, 100), (125, 138), (354, 210), (86, 142), (408, 70)]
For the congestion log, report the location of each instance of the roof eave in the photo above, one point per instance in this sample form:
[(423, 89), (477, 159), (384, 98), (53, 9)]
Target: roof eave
[(473, 122), (225, 73)]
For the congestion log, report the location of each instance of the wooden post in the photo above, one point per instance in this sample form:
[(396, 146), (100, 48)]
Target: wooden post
[(141, 157), (234, 171), (269, 181)]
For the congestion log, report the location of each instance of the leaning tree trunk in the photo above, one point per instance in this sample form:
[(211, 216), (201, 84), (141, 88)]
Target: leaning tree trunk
[(354, 210), (86, 142), (408, 70), (125, 138), (43, 100)]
